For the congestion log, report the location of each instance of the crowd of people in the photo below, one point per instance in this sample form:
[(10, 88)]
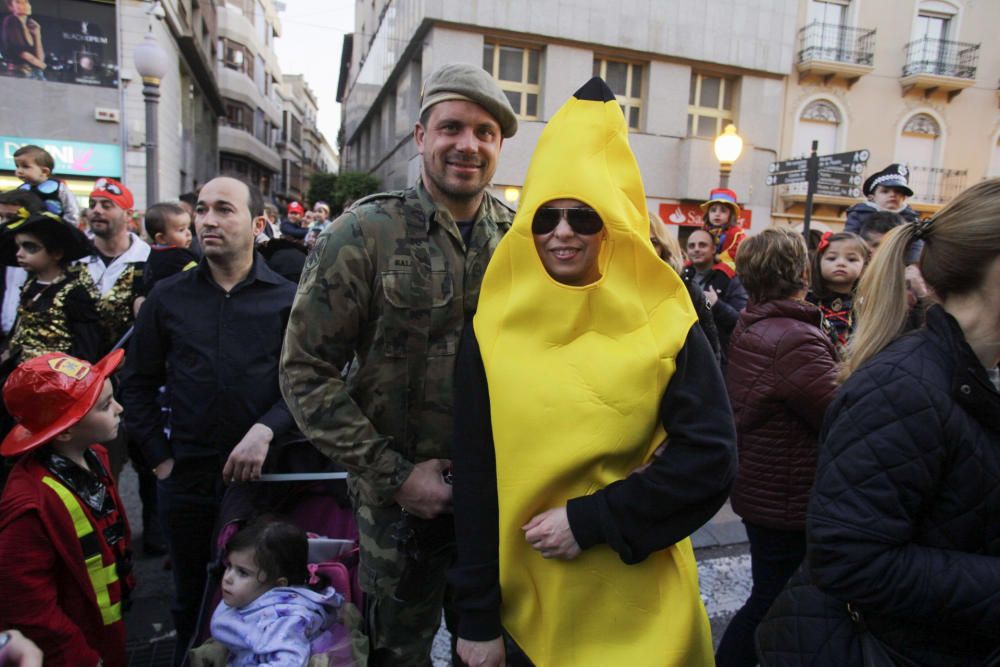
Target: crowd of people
[(535, 409)]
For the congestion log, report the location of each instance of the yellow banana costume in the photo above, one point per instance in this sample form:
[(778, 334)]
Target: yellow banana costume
[(576, 376)]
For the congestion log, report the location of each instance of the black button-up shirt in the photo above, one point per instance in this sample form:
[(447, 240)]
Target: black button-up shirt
[(217, 354)]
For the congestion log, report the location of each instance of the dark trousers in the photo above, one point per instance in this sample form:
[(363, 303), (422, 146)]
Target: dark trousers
[(189, 502), (774, 557)]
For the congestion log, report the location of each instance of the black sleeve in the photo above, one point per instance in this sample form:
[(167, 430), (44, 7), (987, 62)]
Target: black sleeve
[(84, 325), (705, 319), (731, 301), (686, 484), (144, 374), (475, 576)]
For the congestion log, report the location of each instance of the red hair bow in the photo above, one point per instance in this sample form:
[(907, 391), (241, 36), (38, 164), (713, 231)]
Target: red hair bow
[(824, 241)]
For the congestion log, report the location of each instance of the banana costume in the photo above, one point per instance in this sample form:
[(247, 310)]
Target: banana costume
[(576, 376)]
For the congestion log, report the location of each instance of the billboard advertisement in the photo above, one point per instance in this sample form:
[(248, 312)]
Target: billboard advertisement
[(67, 41)]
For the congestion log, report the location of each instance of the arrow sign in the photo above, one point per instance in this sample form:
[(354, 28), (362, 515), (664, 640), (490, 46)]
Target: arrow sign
[(838, 178), (787, 165), (846, 162), (788, 177), (838, 190)]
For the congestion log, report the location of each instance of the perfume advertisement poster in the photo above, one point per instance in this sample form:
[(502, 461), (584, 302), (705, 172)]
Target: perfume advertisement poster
[(67, 41)]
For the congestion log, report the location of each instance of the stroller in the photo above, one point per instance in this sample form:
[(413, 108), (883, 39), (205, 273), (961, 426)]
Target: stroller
[(317, 503)]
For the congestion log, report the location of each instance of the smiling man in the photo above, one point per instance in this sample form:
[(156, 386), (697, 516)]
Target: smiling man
[(212, 336), (390, 285)]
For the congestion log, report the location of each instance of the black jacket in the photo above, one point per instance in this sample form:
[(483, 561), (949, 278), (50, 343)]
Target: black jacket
[(859, 213), (904, 521), (732, 299), (217, 354)]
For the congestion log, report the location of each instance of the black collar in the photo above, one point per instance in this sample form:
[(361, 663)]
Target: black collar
[(88, 487), (259, 271)]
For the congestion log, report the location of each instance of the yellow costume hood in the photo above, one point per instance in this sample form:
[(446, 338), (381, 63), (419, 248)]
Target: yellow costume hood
[(576, 376)]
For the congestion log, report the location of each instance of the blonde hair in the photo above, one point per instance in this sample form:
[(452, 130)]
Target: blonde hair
[(960, 244), (773, 264), (669, 250)]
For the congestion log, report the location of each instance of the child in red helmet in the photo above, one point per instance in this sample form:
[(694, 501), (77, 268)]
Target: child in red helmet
[(64, 538), (721, 215)]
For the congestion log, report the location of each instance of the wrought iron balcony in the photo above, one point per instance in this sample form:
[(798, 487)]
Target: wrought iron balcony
[(830, 50), (934, 185), (939, 65)]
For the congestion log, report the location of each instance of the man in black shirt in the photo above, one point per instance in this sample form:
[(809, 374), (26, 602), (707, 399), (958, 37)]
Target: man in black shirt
[(213, 337)]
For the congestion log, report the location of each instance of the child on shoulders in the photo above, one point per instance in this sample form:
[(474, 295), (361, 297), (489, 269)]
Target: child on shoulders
[(168, 227), (836, 269), (34, 165)]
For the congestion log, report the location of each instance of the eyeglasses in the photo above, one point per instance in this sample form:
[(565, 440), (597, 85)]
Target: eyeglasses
[(108, 186), (583, 221)]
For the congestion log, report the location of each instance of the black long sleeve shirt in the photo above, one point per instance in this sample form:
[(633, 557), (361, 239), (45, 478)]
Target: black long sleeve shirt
[(217, 353), (681, 489)]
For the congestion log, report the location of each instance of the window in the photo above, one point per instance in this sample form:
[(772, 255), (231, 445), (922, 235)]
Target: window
[(260, 75), (710, 104), (517, 72), (819, 121), (237, 57), (260, 126), (625, 80), (830, 12), (260, 22), (296, 131), (919, 147), (239, 115)]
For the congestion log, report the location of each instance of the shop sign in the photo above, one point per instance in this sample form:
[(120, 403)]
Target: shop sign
[(71, 157), (690, 215)]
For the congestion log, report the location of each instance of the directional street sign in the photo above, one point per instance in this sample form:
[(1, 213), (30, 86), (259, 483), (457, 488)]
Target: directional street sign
[(835, 175), (788, 165)]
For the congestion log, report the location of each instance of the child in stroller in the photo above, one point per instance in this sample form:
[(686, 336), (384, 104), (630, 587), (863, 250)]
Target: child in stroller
[(318, 506)]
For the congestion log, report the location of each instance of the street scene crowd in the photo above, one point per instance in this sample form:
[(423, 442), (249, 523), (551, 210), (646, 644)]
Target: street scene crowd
[(534, 409)]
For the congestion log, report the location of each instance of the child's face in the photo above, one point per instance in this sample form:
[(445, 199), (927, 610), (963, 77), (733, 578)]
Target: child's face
[(19, 7), (243, 581), (101, 423), (177, 232), (32, 255), (719, 214), (874, 240), (841, 265), (29, 171), (889, 199)]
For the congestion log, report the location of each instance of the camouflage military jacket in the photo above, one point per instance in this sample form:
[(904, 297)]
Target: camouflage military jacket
[(389, 285)]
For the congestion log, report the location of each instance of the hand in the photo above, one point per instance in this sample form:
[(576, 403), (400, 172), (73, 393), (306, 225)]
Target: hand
[(163, 469), (20, 651), (482, 654), (34, 26), (424, 494), (915, 281), (550, 534), (711, 296), (247, 458)]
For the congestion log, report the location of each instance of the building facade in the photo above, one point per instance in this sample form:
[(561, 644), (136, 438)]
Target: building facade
[(911, 81), (250, 79), (304, 149), (681, 70)]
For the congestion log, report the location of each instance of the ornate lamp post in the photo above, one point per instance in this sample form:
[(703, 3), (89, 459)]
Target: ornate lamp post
[(728, 147), (152, 63)]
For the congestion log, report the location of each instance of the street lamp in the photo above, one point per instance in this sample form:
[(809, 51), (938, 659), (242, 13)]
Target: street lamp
[(728, 147), (152, 63)]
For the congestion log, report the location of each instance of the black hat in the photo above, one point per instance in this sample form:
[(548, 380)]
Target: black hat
[(893, 176), (54, 232)]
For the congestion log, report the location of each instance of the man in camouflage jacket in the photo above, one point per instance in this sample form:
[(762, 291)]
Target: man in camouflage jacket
[(387, 290)]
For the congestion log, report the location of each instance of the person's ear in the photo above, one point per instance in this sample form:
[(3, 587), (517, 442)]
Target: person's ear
[(46, 172), (258, 225), (418, 137), (281, 581), (158, 238)]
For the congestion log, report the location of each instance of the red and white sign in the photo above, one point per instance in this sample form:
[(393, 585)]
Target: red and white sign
[(689, 215)]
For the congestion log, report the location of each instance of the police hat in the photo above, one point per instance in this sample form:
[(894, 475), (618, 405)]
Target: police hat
[(893, 176)]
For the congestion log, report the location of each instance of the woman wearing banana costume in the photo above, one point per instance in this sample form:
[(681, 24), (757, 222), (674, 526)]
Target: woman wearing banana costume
[(584, 358)]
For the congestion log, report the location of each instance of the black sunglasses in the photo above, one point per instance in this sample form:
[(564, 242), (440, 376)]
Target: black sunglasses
[(583, 221)]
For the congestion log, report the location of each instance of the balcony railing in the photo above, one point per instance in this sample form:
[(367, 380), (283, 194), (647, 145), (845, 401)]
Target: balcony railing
[(934, 185), (836, 43), (941, 57)]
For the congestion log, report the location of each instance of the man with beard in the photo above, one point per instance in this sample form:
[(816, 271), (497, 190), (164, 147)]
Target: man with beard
[(390, 285), (117, 268)]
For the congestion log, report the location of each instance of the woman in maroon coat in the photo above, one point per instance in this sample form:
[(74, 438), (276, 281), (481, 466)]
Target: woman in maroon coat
[(780, 378)]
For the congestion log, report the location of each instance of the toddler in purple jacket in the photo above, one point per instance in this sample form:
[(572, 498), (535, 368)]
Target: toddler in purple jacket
[(270, 611)]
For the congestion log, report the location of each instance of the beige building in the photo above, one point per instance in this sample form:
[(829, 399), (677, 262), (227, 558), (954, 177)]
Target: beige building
[(912, 81), (249, 78), (682, 70)]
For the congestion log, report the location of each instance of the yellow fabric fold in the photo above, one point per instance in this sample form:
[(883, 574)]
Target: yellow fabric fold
[(576, 376)]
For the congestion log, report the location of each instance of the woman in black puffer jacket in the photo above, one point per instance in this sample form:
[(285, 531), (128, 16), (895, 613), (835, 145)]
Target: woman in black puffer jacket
[(904, 520)]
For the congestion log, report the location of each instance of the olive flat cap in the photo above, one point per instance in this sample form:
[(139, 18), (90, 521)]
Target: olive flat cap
[(473, 84)]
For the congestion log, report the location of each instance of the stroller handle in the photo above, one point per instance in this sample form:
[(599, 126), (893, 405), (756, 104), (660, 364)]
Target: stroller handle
[(301, 476)]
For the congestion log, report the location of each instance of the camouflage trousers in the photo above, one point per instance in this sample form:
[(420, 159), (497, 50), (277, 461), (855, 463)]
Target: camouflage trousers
[(400, 633)]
